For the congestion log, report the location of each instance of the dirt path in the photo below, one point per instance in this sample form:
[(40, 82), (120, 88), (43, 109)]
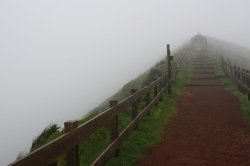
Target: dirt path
[(208, 129)]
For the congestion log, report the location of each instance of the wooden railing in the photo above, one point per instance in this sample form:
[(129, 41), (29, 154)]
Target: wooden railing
[(180, 60), (240, 76), (69, 142)]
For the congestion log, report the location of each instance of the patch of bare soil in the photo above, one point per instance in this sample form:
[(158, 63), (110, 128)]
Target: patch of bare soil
[(207, 129)]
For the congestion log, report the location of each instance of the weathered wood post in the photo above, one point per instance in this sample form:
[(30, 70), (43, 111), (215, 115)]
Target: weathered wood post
[(148, 98), (243, 81), (155, 93), (165, 83), (236, 76), (230, 66), (160, 88), (114, 131), (248, 84), (134, 108), (72, 156), (239, 78), (169, 69)]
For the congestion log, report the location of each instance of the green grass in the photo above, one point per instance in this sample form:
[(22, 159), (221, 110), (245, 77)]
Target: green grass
[(148, 134)]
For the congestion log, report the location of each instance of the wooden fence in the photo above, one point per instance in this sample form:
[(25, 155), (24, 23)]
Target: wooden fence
[(69, 142), (240, 76)]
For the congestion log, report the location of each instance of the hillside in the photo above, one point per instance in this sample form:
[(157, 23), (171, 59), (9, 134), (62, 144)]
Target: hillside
[(236, 54), (52, 131), (139, 82)]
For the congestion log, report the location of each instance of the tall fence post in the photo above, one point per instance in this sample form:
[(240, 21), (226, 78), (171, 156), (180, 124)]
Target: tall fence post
[(134, 108), (248, 84), (114, 132), (148, 98), (169, 69), (155, 93), (72, 156)]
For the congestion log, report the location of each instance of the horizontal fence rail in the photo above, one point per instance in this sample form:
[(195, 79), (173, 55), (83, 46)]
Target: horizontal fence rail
[(240, 77), (180, 60), (69, 142)]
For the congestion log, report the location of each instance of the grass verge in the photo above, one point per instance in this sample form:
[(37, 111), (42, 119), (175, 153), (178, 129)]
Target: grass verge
[(245, 103)]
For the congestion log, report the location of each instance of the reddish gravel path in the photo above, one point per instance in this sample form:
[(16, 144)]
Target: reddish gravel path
[(204, 75), (208, 81), (208, 129), (203, 68)]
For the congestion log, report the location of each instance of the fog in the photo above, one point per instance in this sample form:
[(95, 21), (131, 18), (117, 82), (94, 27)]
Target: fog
[(60, 59)]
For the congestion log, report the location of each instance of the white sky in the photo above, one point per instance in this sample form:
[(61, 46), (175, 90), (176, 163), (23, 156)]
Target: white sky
[(59, 59)]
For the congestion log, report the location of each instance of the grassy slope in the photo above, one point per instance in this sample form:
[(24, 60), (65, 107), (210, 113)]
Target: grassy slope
[(237, 55), (149, 133), (150, 127)]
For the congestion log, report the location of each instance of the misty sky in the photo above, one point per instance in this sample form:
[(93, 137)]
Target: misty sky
[(59, 59)]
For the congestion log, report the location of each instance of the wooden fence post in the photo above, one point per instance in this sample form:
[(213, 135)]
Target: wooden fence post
[(243, 81), (134, 108), (155, 93), (236, 76), (165, 83), (148, 98), (239, 78), (248, 84), (169, 69), (231, 71), (114, 131), (160, 88), (72, 156)]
